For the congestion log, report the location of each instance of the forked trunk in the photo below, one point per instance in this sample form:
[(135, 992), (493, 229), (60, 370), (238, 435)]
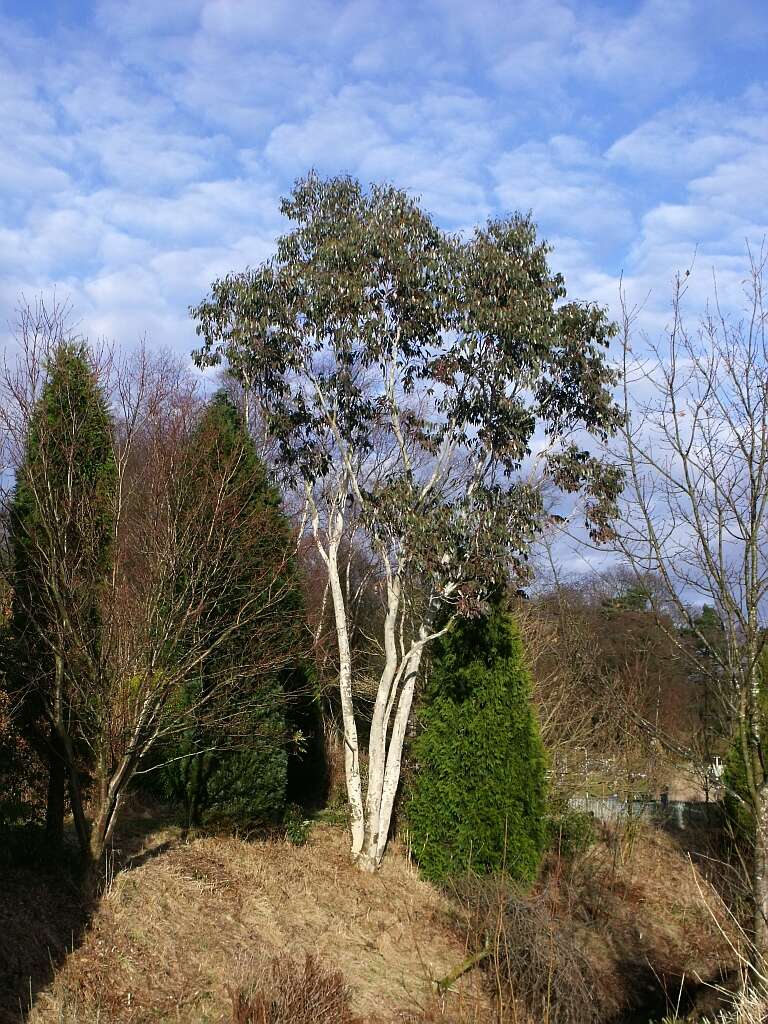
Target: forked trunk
[(367, 859), (385, 775)]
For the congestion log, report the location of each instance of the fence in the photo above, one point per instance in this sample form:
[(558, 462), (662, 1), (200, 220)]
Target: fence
[(674, 814)]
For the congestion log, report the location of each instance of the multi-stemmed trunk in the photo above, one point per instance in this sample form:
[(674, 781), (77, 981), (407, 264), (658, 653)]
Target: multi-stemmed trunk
[(94, 836), (371, 817)]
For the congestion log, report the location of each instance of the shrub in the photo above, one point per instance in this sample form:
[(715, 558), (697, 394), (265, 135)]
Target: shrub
[(297, 826), (478, 788), (529, 955), (570, 832), (22, 786), (285, 991)]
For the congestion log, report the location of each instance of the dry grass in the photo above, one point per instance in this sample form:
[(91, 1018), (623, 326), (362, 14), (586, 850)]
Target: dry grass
[(173, 933), (189, 926), (530, 957), (645, 917), (286, 991), (41, 919), (630, 923)]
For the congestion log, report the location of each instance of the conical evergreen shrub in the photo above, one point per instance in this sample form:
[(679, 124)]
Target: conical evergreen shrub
[(478, 792), (61, 540)]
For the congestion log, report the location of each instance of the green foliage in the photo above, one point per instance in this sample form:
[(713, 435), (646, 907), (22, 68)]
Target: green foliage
[(246, 786), (472, 340), (64, 496), (570, 832), (478, 797), (297, 825), (232, 761), (19, 772), (62, 515)]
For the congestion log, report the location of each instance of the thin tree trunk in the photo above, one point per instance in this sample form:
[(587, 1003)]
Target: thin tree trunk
[(395, 752), (382, 804), (351, 749), (377, 742), (54, 807), (760, 886)]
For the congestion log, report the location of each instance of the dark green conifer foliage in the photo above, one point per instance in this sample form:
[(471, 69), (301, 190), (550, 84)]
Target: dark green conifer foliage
[(233, 761), (61, 527), (478, 794)]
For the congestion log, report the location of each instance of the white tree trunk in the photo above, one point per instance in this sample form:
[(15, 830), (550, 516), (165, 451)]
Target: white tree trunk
[(395, 751), (377, 744), (383, 783), (351, 749), (370, 821)]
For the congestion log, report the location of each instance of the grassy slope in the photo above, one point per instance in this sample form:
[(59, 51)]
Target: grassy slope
[(177, 929), (184, 921), (647, 919)]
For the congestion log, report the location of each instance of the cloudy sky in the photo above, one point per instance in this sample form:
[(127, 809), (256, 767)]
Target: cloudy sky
[(144, 146)]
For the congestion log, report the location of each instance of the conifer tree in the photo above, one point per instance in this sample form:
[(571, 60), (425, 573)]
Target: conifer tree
[(61, 527), (478, 794), (232, 761)]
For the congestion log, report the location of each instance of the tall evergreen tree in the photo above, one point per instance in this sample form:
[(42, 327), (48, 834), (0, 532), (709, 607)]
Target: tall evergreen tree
[(478, 794), (232, 760), (61, 526)]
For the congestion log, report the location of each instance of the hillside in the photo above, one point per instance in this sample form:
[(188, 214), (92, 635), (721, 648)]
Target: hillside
[(186, 923), (188, 920)]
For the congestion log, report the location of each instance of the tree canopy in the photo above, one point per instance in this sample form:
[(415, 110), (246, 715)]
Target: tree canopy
[(418, 387)]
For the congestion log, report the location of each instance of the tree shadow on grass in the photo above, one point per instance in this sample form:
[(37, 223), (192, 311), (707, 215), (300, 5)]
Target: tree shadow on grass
[(44, 914), (43, 917)]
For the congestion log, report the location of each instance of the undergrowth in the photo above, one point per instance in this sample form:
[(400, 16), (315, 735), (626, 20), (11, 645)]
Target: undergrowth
[(284, 991)]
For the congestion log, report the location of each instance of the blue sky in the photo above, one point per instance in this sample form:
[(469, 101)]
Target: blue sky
[(145, 145)]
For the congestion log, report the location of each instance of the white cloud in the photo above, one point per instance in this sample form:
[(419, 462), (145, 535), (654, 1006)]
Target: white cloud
[(694, 135), (567, 189), (145, 152)]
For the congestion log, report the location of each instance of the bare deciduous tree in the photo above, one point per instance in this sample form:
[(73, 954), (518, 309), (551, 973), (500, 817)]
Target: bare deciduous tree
[(695, 512)]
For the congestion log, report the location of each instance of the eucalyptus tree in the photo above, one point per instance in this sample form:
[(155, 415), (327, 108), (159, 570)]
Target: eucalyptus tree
[(406, 378)]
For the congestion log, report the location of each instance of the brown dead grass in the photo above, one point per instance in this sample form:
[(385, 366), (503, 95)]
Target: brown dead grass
[(287, 991), (644, 916), (175, 933), (41, 919), (188, 923)]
